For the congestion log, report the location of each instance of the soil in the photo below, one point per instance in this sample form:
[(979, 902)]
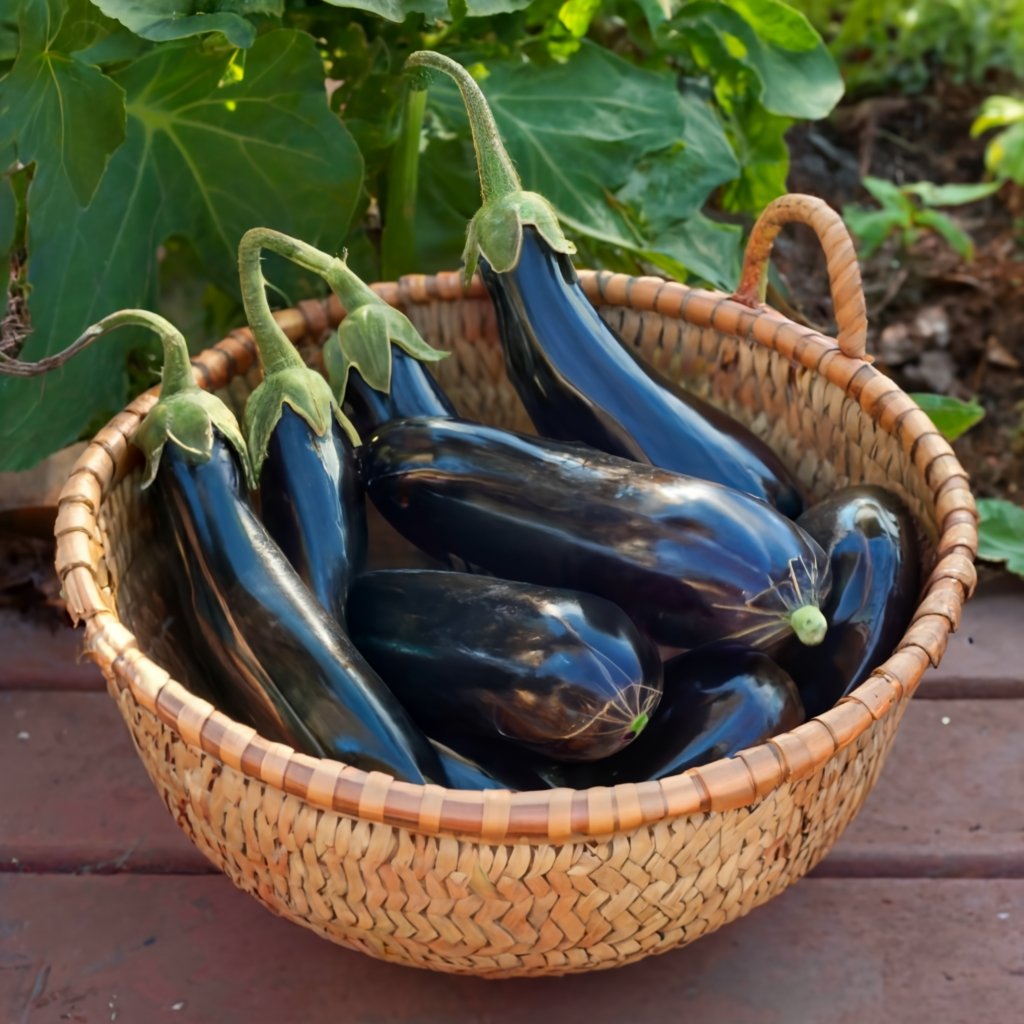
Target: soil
[(937, 323)]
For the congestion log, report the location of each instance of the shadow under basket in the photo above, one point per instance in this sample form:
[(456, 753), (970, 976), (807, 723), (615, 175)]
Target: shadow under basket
[(504, 884)]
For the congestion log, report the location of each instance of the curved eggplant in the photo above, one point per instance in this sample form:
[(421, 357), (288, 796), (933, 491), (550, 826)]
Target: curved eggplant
[(718, 701), (311, 502), (291, 669), (690, 561), (871, 541), (580, 382), (563, 673)]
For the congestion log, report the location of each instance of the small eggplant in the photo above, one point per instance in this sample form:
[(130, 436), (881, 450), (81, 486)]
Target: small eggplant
[(690, 561), (301, 446), (577, 379), (871, 541), (562, 673), (718, 701)]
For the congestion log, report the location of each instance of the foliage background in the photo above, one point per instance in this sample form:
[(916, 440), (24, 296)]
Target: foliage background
[(141, 138)]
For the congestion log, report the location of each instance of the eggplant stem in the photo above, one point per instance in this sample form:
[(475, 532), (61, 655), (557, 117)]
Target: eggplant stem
[(498, 176), (177, 374), (809, 624)]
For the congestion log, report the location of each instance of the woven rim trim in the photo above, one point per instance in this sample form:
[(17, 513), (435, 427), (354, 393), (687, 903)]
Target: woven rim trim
[(549, 814)]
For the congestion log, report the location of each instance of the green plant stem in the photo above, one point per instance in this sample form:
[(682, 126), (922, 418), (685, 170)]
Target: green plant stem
[(498, 177), (398, 240), (177, 373)]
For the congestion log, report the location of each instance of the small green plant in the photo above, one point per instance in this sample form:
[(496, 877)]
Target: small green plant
[(907, 210), (1004, 155), (1000, 522)]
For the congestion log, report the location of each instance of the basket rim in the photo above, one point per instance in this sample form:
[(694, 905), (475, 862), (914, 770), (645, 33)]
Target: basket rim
[(544, 815)]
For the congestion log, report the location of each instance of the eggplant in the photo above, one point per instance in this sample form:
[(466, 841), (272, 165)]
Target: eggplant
[(287, 666), (413, 392), (487, 764), (563, 673), (690, 561), (312, 504), (870, 538), (301, 446), (577, 378), (717, 701)]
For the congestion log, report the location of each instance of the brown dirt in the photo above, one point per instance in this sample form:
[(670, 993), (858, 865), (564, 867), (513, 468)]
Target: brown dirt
[(938, 323)]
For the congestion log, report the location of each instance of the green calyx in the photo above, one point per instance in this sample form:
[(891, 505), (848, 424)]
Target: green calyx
[(809, 625), (639, 723), (496, 231), (363, 342), (184, 415), (287, 379), (305, 392)]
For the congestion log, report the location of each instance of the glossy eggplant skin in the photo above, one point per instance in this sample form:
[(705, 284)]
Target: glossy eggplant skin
[(580, 382), (565, 674), (486, 764), (414, 392), (312, 504), (870, 538), (690, 561), (718, 701), (286, 666)]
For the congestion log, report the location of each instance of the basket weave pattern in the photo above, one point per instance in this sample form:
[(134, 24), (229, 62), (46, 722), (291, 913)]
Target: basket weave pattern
[(503, 884)]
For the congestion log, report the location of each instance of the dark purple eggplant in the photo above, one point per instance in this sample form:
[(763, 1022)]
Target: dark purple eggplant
[(576, 377), (690, 561), (312, 504), (871, 541), (488, 764), (413, 392), (563, 673), (718, 701), (301, 446)]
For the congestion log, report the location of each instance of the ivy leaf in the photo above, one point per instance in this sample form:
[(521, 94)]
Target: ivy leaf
[(163, 20), (62, 114), (206, 157), (397, 10), (951, 416), (1001, 533)]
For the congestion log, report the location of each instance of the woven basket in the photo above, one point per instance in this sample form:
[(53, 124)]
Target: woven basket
[(503, 884)]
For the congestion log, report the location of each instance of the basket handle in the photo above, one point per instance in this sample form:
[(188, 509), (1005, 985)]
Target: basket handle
[(840, 256)]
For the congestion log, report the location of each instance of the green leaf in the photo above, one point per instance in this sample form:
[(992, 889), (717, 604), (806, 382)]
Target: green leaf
[(1005, 154), (8, 224), (795, 76), (205, 158), (760, 143), (576, 15), (396, 10), (578, 162), (1001, 533), (673, 184), (997, 112), (873, 227), (63, 115), (951, 195), (702, 248), (485, 8), (163, 20), (888, 194), (951, 416), (949, 230)]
